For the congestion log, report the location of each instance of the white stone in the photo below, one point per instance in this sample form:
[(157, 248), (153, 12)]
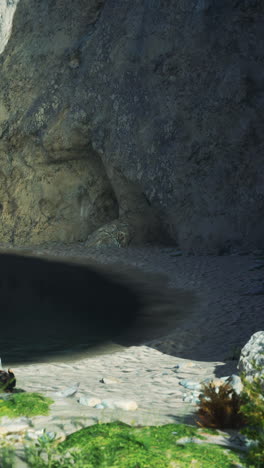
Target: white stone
[(109, 380), (127, 405), (235, 382), (92, 402)]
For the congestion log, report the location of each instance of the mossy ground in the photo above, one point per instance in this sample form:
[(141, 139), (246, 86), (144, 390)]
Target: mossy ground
[(25, 404), (114, 444), (118, 445)]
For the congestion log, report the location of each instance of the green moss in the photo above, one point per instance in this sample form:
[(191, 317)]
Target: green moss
[(25, 404), (122, 446), (118, 445)]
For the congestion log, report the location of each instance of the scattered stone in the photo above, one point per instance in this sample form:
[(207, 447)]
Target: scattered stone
[(34, 435), (214, 382), (191, 385), (185, 367), (86, 401), (191, 397), (68, 392), (225, 440), (109, 380), (235, 382), (9, 426), (127, 405), (182, 366)]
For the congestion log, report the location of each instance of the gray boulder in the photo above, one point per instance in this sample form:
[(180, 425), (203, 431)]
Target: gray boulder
[(253, 350)]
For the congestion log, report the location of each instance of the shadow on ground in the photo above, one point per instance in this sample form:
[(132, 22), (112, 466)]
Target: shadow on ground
[(51, 308)]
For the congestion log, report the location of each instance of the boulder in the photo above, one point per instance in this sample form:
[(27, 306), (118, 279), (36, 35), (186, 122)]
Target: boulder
[(253, 351)]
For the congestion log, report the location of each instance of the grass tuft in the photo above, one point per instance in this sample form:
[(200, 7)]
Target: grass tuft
[(25, 404)]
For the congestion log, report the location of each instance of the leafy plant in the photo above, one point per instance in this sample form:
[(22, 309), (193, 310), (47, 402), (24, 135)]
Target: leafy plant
[(7, 456), (253, 412), (219, 407)]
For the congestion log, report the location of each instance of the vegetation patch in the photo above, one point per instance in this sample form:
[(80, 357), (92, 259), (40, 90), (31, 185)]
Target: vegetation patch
[(25, 404), (118, 445)]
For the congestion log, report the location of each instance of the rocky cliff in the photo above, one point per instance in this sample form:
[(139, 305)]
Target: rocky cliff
[(130, 121)]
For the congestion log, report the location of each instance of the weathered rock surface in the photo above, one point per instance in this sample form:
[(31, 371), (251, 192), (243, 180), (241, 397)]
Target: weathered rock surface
[(253, 351), (141, 114)]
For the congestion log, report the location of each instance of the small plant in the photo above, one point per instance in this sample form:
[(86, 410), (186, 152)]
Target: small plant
[(219, 407), (7, 456), (253, 411)]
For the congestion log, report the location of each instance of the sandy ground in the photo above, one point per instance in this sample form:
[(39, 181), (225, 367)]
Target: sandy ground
[(224, 299)]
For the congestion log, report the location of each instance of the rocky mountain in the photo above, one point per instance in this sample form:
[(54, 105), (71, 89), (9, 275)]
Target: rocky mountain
[(132, 121)]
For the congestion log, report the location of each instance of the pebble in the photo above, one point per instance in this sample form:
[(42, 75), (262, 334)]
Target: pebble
[(221, 439), (127, 405), (141, 374), (144, 380), (13, 427), (191, 385), (67, 392), (92, 402), (109, 381)]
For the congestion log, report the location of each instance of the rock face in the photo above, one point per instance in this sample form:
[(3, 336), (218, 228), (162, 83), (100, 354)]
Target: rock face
[(133, 121)]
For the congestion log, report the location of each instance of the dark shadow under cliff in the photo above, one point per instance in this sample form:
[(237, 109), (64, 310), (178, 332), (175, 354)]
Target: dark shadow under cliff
[(51, 307)]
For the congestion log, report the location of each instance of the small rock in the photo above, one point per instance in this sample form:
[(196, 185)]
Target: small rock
[(192, 397), (67, 392), (31, 435), (127, 405), (13, 428), (108, 404), (183, 366), (235, 382), (86, 401), (191, 385), (188, 440), (214, 382), (109, 380)]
